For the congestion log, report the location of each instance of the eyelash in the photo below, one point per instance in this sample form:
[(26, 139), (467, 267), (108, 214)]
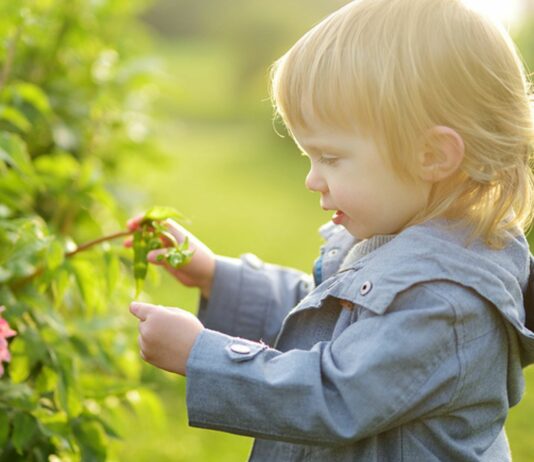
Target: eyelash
[(323, 160), (328, 160)]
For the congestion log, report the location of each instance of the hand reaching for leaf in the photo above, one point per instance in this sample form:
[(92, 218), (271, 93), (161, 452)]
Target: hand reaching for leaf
[(196, 272)]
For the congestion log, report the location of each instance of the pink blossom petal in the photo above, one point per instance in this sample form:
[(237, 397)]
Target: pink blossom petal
[(5, 355), (5, 330), (4, 351)]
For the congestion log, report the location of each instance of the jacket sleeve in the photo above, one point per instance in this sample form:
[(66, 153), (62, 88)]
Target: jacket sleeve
[(250, 298), (380, 372)]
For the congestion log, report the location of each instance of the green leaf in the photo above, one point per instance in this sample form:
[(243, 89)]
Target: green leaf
[(147, 406), (59, 286), (6, 296), (5, 274), (160, 213), (56, 423), (4, 427), (19, 396), (47, 380), (110, 431), (69, 397), (55, 255), (57, 166), (91, 439), (27, 349), (140, 264), (112, 268), (13, 151), (139, 283), (90, 285), (20, 367), (32, 94), (24, 428), (176, 257), (15, 118)]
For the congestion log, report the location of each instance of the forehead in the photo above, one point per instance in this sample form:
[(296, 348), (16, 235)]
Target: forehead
[(320, 137)]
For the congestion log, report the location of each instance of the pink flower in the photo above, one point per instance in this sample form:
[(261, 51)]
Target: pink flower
[(5, 332)]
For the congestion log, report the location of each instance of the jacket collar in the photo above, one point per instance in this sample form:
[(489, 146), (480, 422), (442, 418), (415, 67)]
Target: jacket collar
[(430, 252)]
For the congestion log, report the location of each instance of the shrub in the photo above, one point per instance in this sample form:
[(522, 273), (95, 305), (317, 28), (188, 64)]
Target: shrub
[(75, 97)]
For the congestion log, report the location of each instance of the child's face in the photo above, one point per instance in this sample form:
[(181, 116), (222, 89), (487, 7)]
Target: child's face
[(368, 196)]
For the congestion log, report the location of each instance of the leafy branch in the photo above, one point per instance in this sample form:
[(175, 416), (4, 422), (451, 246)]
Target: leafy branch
[(94, 242), (82, 247), (148, 236)]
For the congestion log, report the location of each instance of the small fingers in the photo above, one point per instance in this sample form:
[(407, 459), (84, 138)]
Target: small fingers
[(168, 239), (141, 310), (178, 231), (156, 256), (133, 223)]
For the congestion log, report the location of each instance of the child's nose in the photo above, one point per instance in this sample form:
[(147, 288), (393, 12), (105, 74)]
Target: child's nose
[(315, 182)]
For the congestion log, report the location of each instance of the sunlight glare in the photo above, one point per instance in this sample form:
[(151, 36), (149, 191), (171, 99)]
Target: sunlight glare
[(507, 12)]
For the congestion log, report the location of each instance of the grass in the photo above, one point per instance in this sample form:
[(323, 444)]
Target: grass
[(520, 425)]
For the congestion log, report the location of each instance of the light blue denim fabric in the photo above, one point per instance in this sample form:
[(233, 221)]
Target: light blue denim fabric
[(424, 367)]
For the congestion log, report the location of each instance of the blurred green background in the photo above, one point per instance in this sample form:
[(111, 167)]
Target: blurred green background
[(221, 162)]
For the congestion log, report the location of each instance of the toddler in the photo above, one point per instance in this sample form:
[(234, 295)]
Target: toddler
[(408, 342)]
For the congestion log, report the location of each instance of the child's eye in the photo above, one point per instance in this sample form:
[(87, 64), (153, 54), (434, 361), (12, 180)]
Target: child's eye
[(328, 160)]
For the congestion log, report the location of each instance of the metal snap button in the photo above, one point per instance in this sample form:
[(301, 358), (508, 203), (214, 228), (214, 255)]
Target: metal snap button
[(240, 348), (366, 287), (333, 252)]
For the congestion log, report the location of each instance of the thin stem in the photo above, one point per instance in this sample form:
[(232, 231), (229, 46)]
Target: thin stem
[(90, 244), (82, 247)]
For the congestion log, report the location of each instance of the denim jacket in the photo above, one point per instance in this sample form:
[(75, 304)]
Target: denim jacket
[(412, 353)]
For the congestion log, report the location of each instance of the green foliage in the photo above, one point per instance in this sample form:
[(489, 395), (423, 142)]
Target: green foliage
[(74, 102), (160, 214), (524, 38), (151, 235)]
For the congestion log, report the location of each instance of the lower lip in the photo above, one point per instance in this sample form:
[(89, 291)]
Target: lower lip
[(338, 217)]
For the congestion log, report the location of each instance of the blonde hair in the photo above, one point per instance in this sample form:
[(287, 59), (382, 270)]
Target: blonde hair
[(396, 68)]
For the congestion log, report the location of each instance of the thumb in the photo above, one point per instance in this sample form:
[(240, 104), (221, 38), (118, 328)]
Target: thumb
[(141, 310), (133, 223)]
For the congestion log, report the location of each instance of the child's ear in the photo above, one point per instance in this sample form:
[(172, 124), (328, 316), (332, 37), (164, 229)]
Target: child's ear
[(442, 154)]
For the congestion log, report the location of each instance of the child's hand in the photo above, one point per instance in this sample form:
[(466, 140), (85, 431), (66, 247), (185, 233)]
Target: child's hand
[(166, 335), (198, 272)]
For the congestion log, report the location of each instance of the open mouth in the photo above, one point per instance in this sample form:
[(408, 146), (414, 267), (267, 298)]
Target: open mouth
[(338, 217)]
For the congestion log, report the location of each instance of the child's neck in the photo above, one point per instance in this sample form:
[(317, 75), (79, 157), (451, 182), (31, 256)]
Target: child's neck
[(365, 247)]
